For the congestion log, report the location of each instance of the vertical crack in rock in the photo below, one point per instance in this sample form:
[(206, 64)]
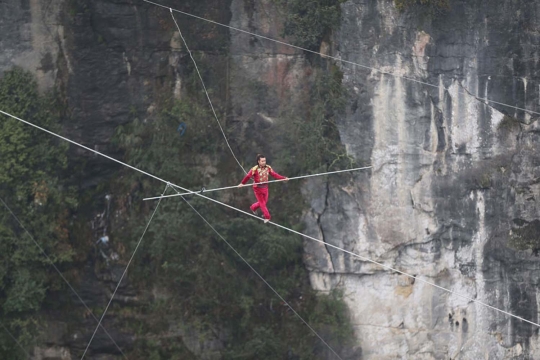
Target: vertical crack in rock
[(321, 227)]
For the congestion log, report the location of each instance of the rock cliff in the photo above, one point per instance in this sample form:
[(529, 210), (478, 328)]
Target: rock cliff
[(453, 177)]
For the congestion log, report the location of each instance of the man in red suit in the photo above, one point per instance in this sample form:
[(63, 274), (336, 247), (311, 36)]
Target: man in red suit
[(260, 173)]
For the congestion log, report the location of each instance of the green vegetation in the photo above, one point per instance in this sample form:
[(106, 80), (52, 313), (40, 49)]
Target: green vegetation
[(310, 21), (508, 124), (75, 7), (483, 181), (526, 236), (31, 170)]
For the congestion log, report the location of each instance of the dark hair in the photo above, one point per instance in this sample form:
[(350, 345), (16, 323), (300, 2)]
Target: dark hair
[(259, 156)]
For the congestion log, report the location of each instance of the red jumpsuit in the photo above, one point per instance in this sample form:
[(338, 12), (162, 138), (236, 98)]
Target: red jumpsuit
[(261, 191)]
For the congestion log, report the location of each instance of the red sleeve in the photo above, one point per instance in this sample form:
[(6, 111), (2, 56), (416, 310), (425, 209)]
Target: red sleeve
[(247, 177), (275, 175)]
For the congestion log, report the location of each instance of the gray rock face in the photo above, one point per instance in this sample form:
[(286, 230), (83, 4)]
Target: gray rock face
[(449, 177), (120, 54), (32, 37), (265, 76)]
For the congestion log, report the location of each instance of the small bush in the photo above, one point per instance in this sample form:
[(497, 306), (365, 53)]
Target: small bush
[(309, 21), (526, 237), (508, 124)]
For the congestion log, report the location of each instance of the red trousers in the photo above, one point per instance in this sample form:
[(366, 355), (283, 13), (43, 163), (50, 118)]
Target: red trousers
[(262, 198)]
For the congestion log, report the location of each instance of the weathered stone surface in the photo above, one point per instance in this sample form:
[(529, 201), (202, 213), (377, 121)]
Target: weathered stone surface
[(32, 37), (52, 353), (265, 77), (442, 194), (206, 344)]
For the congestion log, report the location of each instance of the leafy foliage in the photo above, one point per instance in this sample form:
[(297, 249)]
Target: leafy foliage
[(30, 172), (508, 125), (526, 236), (309, 21)]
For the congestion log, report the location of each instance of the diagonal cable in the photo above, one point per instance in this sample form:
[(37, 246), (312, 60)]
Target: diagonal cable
[(15, 339), (82, 146), (260, 276), (206, 91), (123, 274), (336, 58), (60, 273), (280, 226), (368, 260)]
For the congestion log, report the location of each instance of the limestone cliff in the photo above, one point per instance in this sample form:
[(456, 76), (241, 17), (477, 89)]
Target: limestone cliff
[(452, 177)]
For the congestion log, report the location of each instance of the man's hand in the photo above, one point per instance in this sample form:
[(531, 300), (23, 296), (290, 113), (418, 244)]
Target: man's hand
[(240, 185)]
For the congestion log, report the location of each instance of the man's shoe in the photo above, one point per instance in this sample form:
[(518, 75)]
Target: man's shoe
[(266, 220), (254, 212)]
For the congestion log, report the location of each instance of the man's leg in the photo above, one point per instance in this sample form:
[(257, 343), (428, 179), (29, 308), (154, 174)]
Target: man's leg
[(256, 205), (262, 202)]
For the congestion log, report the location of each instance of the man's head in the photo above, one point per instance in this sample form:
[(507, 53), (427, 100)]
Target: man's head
[(261, 160)]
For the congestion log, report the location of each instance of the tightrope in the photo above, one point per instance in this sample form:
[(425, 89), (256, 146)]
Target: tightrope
[(367, 259), (283, 227), (263, 182)]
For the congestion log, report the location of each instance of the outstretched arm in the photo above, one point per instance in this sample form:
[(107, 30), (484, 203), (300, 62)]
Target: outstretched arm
[(275, 175), (246, 178)]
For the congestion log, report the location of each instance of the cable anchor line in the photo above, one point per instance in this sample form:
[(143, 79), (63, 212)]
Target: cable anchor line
[(479, 99), (124, 273), (168, 185), (205, 90), (61, 275), (17, 341), (203, 189)]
